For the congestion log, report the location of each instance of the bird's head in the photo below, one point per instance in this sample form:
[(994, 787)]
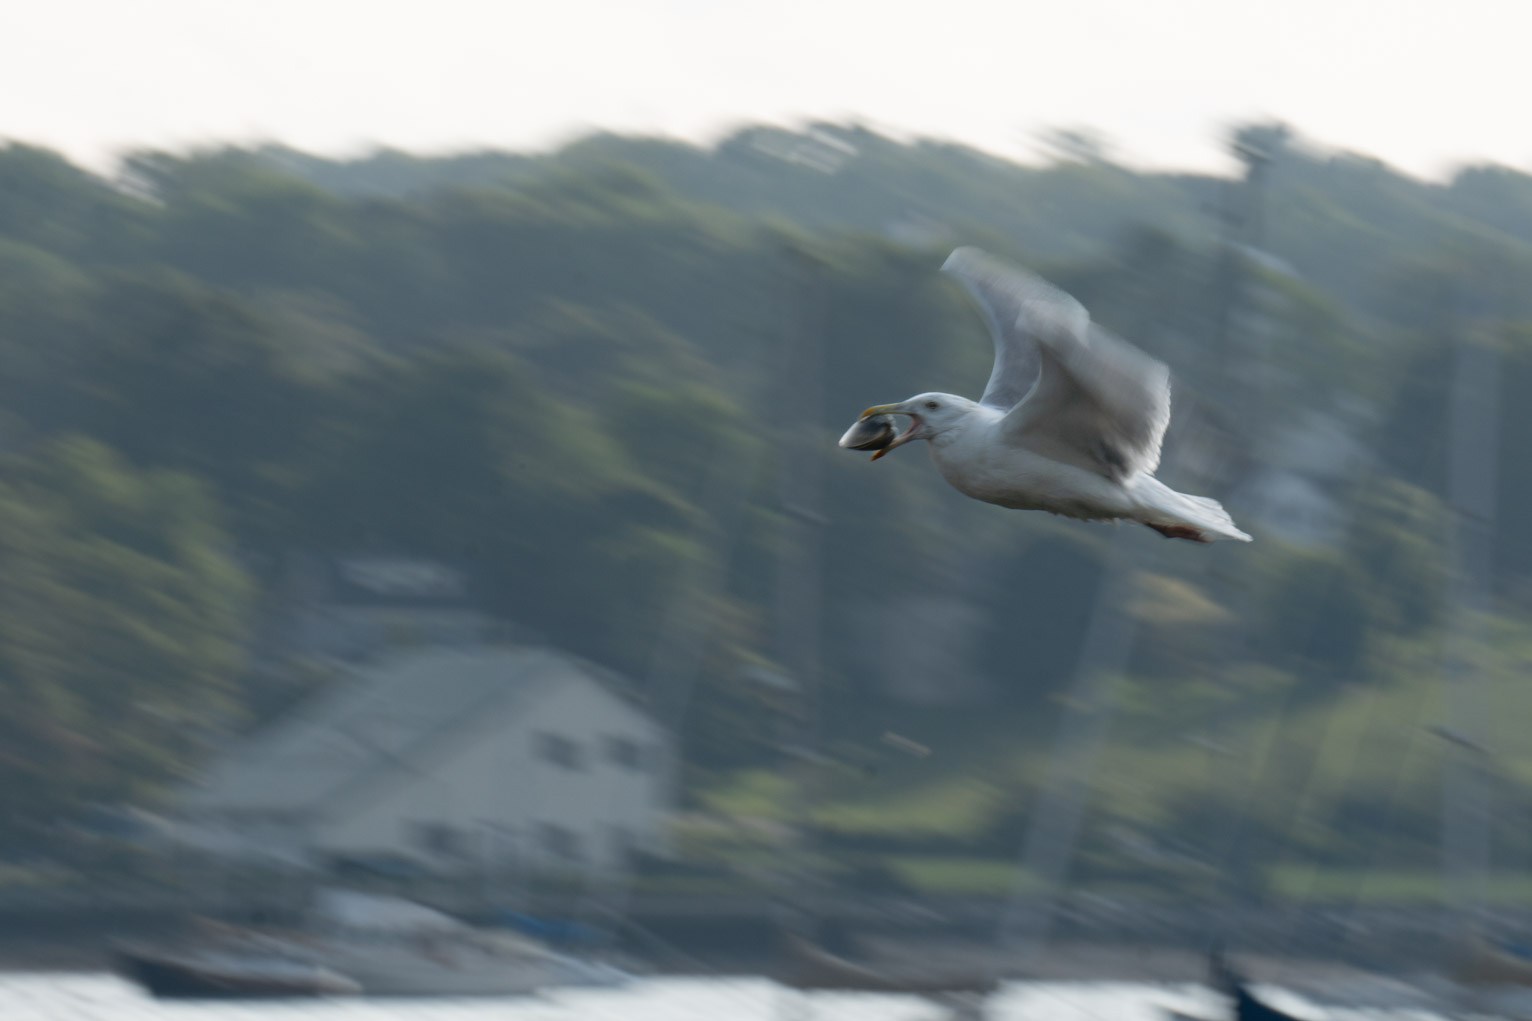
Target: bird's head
[(930, 415)]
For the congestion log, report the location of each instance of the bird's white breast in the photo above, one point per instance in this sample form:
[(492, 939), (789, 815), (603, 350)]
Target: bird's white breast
[(978, 461)]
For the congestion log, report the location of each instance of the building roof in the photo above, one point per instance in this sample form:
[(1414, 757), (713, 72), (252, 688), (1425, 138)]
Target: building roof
[(378, 723)]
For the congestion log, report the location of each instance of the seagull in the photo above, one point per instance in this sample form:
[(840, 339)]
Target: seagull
[(1071, 421)]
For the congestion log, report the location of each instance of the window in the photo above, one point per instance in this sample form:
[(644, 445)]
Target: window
[(559, 750), (560, 842), (625, 752)]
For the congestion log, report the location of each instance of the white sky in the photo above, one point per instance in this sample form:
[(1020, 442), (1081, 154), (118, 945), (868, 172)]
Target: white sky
[(1423, 84)]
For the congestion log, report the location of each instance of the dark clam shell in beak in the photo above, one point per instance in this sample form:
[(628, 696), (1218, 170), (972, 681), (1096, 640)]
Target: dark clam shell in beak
[(873, 433)]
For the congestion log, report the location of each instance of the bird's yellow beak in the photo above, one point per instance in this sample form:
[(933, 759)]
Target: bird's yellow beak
[(879, 409)]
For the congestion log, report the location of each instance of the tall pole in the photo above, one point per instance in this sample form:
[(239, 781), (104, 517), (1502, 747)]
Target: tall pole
[(800, 485), (799, 584), (1242, 226), (1466, 796), (1053, 825)]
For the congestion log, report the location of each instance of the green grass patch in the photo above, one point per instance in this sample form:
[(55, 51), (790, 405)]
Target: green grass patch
[(955, 875), (750, 794), (957, 805), (1385, 887)]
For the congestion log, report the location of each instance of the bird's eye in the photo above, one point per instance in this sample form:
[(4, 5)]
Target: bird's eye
[(932, 405)]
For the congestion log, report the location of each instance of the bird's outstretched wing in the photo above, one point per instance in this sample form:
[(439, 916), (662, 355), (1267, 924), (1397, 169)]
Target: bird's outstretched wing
[(1091, 399), (1100, 403), (1010, 300)]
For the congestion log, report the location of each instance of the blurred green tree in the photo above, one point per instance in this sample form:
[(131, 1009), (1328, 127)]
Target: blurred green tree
[(121, 632)]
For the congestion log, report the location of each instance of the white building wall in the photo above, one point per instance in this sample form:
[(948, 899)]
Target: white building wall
[(497, 794)]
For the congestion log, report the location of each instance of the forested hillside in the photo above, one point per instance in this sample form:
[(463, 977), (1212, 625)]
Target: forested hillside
[(534, 364)]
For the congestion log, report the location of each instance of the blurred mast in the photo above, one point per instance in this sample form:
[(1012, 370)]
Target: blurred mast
[(1053, 829), (1242, 218), (798, 607), (1473, 414), (800, 487), (1241, 417)]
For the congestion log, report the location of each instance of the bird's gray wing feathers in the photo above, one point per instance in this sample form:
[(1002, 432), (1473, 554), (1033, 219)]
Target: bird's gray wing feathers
[(1100, 403), (1072, 391), (1011, 301)]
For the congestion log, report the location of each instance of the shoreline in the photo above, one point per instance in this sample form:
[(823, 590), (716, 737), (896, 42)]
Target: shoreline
[(680, 935), (1075, 962)]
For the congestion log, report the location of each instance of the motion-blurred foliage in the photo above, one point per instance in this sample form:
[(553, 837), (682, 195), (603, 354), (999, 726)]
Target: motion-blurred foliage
[(537, 366)]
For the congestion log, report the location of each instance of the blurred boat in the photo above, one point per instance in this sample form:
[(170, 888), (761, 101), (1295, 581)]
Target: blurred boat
[(395, 947), (1245, 1004), (230, 975), (1249, 1007), (1233, 984), (807, 966), (1485, 978), (555, 932), (1487, 964), (367, 944)]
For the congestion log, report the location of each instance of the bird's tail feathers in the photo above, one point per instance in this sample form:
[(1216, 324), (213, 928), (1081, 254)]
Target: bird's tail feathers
[(1164, 507)]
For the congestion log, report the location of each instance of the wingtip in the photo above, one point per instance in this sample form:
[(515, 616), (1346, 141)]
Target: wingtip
[(965, 253)]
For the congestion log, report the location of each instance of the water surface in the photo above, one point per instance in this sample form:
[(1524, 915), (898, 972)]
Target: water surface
[(70, 997)]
